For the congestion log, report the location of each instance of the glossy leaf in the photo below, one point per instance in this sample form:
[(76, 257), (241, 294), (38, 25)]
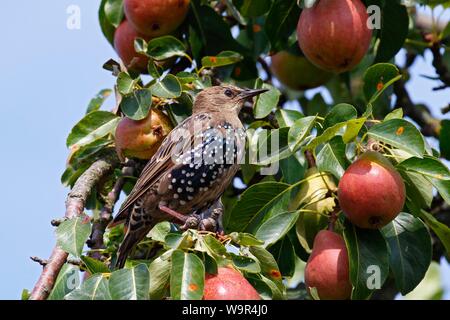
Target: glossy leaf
[(187, 276), (68, 279), (332, 157), (71, 234), (401, 134), (94, 266), (252, 203), (276, 227), (369, 260), (410, 250), (427, 166), (92, 127), (168, 88), (130, 284), (224, 58), (137, 105), (378, 78), (267, 101), (94, 288), (299, 131), (165, 47), (98, 100)]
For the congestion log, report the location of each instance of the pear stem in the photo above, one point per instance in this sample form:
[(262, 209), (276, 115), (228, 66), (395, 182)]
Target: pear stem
[(333, 219)]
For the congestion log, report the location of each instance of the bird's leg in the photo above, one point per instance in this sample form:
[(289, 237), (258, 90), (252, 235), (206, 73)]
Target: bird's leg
[(188, 222), (212, 222)]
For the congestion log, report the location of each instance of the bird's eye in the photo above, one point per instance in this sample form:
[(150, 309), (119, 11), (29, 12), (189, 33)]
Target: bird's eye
[(229, 93)]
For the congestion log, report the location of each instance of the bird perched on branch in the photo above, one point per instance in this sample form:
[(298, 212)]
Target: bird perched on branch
[(192, 168)]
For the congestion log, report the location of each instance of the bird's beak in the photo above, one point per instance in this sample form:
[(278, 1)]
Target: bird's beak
[(247, 94)]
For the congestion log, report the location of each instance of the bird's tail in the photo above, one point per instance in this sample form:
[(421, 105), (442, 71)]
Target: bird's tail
[(130, 240)]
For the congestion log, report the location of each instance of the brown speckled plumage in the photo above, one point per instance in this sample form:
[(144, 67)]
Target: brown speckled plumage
[(208, 147)]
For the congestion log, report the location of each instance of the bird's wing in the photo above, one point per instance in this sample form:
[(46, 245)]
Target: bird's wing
[(161, 162)]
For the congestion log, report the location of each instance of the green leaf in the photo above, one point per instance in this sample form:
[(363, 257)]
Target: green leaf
[(283, 252), (168, 88), (366, 249), (410, 250), (214, 247), (428, 166), (107, 28), (253, 8), (245, 239), (245, 264), (68, 279), (331, 132), (286, 118), (253, 202), (71, 234), (125, 84), (159, 270), (443, 187), (394, 30), (332, 157), (401, 134), (293, 168), (94, 266), (378, 78), (340, 113), (281, 22), (395, 114), (418, 188), (224, 58), (130, 284), (187, 276), (444, 138), (94, 288), (137, 105), (273, 146), (267, 101), (300, 131), (269, 267), (92, 127), (160, 231), (114, 11), (354, 126), (165, 47), (275, 228), (98, 100)]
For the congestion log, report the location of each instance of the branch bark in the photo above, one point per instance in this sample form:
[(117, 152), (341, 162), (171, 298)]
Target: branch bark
[(99, 226), (74, 207)]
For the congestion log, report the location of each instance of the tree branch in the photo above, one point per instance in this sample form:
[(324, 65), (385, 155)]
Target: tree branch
[(74, 207), (420, 114), (95, 242)]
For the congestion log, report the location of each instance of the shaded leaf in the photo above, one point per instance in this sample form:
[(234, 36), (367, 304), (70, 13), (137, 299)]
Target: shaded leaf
[(71, 234)]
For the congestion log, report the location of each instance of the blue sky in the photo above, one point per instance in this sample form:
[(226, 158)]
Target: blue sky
[(48, 75)]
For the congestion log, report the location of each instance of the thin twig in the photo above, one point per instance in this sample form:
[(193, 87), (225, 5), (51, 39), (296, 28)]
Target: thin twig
[(74, 207)]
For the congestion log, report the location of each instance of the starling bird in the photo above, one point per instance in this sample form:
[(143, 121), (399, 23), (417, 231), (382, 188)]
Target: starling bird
[(192, 168)]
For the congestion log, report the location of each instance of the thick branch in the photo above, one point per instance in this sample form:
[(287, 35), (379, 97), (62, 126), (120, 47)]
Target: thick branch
[(74, 207), (439, 65)]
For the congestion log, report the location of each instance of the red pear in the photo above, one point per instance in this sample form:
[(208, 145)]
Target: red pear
[(333, 34), (141, 139), (156, 18), (296, 72), (124, 44), (327, 269), (371, 192), (228, 284)]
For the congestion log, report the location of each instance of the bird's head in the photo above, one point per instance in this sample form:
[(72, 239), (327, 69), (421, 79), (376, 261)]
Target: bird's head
[(224, 98)]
